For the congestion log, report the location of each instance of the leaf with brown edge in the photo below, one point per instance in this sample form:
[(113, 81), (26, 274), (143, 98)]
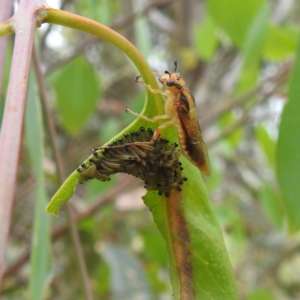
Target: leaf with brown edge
[(198, 261)]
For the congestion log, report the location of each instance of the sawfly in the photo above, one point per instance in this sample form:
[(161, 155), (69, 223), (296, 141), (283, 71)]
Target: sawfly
[(180, 109)]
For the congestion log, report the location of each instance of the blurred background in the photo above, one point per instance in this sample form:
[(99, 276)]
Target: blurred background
[(236, 58)]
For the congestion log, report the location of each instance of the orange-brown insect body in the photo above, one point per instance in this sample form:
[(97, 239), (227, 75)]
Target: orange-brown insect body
[(180, 108)]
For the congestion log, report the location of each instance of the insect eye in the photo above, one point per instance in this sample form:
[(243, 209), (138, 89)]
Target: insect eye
[(170, 82)]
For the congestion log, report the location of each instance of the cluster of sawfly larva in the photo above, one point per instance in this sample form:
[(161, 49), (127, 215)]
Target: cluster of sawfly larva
[(141, 154)]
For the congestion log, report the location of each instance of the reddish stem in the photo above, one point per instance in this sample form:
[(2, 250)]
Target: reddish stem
[(24, 22)]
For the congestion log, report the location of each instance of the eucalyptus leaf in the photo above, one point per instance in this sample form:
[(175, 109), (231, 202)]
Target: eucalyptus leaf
[(40, 252), (206, 40), (280, 43), (288, 150), (234, 16), (77, 90)]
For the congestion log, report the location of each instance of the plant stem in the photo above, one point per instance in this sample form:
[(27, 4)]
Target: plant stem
[(73, 21), (60, 173), (24, 22)]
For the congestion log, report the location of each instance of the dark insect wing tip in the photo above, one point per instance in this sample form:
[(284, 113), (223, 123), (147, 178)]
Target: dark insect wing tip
[(205, 170)]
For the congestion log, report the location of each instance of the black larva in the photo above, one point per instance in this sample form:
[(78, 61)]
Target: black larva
[(137, 153)]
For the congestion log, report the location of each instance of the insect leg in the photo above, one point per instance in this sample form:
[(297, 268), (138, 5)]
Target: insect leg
[(148, 87), (166, 124), (128, 145), (137, 79), (153, 120)]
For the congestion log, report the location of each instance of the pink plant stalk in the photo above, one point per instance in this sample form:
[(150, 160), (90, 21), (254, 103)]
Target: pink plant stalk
[(23, 23)]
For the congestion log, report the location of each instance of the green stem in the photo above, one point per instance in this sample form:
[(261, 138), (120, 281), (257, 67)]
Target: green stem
[(73, 21), (6, 28)]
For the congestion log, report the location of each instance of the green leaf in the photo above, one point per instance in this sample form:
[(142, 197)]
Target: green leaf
[(272, 204), (40, 252), (266, 143), (280, 43), (261, 294), (77, 90), (188, 218), (64, 193), (288, 150), (141, 26), (234, 16), (235, 137), (101, 11), (248, 78), (252, 50), (206, 40), (154, 246), (255, 37)]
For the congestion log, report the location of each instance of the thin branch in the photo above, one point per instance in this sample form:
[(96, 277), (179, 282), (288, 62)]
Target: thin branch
[(231, 128), (280, 77), (60, 173), (79, 252), (116, 26), (48, 30), (278, 80), (60, 231)]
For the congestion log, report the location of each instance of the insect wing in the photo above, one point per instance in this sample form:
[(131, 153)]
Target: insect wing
[(194, 143)]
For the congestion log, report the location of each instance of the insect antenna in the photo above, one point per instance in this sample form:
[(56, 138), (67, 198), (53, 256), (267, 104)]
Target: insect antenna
[(175, 63), (167, 72)]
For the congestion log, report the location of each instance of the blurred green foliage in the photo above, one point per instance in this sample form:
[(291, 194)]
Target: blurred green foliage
[(76, 96), (237, 50)]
